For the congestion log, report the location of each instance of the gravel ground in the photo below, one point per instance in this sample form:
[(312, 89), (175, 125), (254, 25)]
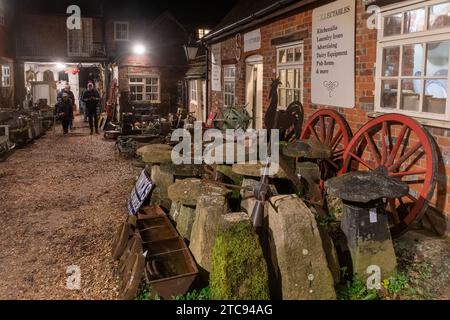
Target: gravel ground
[(61, 199)]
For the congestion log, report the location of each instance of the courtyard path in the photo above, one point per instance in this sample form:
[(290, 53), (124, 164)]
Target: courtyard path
[(61, 199)]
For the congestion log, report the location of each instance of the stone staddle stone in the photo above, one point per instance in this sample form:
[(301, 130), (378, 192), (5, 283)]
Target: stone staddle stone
[(156, 154), (364, 187), (207, 224), (254, 170), (298, 260), (188, 191), (162, 176), (310, 149)]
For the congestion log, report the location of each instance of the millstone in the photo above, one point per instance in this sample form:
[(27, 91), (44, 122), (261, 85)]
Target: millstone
[(156, 154), (188, 191), (310, 149)]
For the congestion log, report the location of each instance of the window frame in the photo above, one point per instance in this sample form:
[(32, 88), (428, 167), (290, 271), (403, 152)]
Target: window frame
[(230, 80), (116, 23), (6, 76), (291, 66), (193, 92), (144, 85), (421, 37)]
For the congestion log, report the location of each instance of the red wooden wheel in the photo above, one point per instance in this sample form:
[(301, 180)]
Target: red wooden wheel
[(330, 128), (397, 145)]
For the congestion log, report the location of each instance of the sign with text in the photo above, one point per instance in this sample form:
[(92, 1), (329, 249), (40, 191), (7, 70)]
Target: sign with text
[(216, 68), (140, 192), (252, 40), (333, 54)]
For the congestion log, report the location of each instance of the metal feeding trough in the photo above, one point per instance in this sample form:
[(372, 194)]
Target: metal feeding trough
[(155, 250), (170, 268)]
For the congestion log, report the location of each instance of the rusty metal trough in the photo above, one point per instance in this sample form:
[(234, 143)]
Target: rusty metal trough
[(170, 268)]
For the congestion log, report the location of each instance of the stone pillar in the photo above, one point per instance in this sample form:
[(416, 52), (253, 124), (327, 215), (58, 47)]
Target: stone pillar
[(365, 221), (298, 263)]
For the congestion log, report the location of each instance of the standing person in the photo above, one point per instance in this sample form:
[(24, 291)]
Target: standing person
[(72, 98), (91, 97), (64, 111)]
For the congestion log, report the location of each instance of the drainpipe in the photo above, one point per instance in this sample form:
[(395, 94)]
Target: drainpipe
[(207, 81)]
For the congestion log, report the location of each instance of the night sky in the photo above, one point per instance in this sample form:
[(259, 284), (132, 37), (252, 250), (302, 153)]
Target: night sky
[(191, 13)]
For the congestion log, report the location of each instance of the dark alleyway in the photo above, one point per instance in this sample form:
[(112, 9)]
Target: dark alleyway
[(60, 201)]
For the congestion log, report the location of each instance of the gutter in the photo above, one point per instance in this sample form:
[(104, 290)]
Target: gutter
[(257, 17)]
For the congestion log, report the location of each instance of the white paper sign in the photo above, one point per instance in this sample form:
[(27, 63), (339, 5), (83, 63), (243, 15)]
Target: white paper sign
[(216, 69), (252, 40), (333, 54), (140, 192)]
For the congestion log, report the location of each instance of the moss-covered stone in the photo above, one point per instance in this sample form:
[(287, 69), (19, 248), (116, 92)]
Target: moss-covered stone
[(238, 270)]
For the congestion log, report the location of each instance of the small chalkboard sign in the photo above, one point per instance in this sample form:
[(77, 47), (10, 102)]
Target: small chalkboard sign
[(140, 192)]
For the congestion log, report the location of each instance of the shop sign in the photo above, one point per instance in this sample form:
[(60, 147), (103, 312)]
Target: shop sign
[(252, 40), (216, 68), (333, 54)]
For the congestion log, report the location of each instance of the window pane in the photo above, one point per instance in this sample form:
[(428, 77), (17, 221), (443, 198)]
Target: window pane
[(435, 96), (297, 95), (437, 59), (389, 94), (299, 79), (289, 97), (390, 61), (298, 54), (414, 21), (439, 16), (412, 60), (282, 76), (282, 101), (290, 79), (290, 55), (282, 56), (393, 24), (410, 98)]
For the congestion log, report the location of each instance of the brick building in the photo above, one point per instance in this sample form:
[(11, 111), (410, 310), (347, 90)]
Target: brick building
[(145, 55), (262, 40)]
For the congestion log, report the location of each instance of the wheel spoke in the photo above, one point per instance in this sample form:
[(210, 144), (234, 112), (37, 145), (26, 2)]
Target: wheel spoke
[(336, 140), (330, 131), (322, 128), (361, 161), (407, 173), (397, 145), (403, 158), (313, 130), (384, 135), (373, 148), (332, 163)]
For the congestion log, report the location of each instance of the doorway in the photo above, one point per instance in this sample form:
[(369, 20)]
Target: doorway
[(254, 90)]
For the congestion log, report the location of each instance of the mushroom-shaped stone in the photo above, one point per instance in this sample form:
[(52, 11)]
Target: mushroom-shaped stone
[(310, 149), (255, 170), (364, 187), (187, 191), (156, 153)]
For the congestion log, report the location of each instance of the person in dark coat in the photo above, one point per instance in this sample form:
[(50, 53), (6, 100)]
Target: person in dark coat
[(64, 111), (92, 98), (72, 98)]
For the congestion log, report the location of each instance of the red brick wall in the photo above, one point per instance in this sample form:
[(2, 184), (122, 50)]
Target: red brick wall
[(365, 56)]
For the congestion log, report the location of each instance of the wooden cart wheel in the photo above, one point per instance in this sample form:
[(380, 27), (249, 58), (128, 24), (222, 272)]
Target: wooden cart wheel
[(133, 246), (399, 146), (330, 128), (120, 241), (132, 277)]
